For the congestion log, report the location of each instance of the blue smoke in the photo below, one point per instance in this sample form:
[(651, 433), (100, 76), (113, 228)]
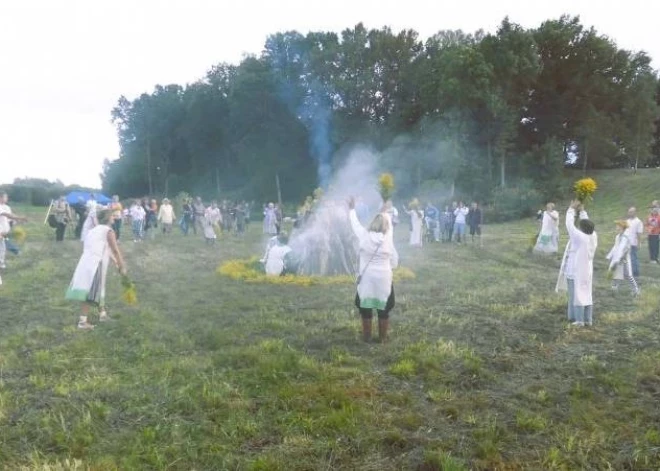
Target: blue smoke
[(318, 126), (312, 109)]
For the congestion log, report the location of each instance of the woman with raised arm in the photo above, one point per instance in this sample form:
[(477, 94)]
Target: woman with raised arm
[(377, 258)]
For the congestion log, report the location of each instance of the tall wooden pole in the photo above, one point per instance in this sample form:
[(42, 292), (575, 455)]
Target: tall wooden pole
[(279, 193)]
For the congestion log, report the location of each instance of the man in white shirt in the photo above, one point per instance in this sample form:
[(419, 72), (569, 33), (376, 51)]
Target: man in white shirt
[(634, 231), (5, 228), (460, 214), (166, 216)]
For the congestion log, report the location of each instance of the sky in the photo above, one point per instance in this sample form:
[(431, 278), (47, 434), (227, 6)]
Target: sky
[(65, 63)]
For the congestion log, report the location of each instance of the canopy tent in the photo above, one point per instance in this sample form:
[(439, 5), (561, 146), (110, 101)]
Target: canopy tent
[(75, 196)]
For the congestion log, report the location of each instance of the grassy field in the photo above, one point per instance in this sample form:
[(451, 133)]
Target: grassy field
[(482, 370)]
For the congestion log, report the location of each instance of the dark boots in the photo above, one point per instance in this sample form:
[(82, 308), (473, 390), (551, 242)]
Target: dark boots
[(383, 325), (366, 329)]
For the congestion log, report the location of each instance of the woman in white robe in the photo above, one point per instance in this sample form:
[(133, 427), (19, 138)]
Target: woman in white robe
[(377, 258), (548, 239), (212, 220), (576, 272), (620, 262), (88, 282), (275, 259), (417, 225)]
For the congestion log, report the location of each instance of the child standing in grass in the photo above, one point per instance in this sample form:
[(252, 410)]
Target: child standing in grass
[(576, 273), (619, 257), (88, 282), (5, 227)]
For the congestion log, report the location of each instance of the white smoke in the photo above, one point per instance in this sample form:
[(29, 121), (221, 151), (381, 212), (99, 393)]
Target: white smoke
[(324, 243)]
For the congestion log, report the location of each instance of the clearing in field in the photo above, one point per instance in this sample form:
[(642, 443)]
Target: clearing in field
[(208, 372)]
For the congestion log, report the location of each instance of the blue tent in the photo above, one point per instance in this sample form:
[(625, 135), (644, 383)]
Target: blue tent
[(75, 196)]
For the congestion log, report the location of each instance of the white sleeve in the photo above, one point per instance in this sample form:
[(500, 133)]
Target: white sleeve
[(570, 223), (359, 230)]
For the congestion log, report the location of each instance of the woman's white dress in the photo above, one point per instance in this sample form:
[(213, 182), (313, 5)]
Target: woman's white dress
[(88, 282), (548, 239), (211, 220), (578, 262), (619, 257), (377, 258), (274, 260), (417, 223)]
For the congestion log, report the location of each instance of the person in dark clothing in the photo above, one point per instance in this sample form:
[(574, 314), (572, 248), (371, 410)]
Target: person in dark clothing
[(240, 219), (474, 220), (80, 208), (187, 218), (62, 216)]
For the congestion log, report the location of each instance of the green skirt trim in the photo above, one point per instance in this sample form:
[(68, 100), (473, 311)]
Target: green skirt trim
[(373, 303), (76, 294)]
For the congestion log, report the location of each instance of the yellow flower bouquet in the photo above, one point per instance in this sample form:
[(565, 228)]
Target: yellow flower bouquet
[(129, 294), (585, 189), (386, 186), (17, 234)]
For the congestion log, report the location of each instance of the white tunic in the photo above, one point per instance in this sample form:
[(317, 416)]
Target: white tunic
[(274, 260), (377, 258), (578, 261), (619, 256), (166, 214), (96, 254), (212, 218), (548, 240), (416, 234)]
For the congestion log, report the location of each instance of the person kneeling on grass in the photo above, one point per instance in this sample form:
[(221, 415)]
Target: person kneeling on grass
[(88, 282), (620, 264), (377, 258), (576, 273), (275, 260)]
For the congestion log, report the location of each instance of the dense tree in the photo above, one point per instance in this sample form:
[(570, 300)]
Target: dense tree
[(468, 112)]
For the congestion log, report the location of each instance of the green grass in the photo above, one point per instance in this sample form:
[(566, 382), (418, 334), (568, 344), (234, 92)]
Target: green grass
[(481, 372)]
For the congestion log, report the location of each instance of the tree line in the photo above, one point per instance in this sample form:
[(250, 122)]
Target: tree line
[(472, 114)]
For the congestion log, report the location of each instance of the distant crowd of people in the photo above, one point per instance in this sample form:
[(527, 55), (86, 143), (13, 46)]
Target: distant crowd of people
[(449, 225), (145, 216)]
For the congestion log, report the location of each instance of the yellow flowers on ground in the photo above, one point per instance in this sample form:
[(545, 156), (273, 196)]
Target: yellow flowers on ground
[(129, 294), (585, 189), (18, 234), (250, 271), (386, 186)]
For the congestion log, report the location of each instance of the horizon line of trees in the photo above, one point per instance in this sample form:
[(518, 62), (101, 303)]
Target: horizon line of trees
[(470, 114)]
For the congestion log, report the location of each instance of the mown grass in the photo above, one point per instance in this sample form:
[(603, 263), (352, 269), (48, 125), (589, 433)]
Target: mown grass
[(482, 371)]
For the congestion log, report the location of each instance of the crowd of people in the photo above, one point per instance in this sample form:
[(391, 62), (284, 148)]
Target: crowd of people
[(100, 227), (449, 225), (576, 272), (145, 217)]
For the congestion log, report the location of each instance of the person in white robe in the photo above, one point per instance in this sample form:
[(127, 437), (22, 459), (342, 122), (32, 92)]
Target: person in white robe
[(270, 220), (576, 272), (416, 224), (212, 220), (88, 283), (619, 257), (275, 258), (377, 258), (547, 241)]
